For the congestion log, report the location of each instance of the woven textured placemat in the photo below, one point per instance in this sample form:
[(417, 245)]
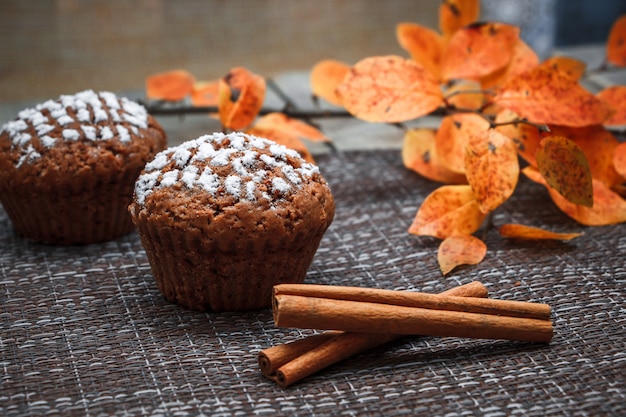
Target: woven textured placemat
[(84, 330)]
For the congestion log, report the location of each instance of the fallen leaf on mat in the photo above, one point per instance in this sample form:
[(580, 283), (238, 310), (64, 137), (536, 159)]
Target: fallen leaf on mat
[(460, 250), (520, 231)]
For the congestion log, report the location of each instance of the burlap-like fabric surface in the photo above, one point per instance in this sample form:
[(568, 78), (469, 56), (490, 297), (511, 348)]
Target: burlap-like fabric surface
[(84, 330)]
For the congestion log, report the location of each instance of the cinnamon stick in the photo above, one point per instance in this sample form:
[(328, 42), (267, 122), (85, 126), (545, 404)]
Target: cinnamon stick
[(368, 317), (291, 362), (273, 358), (417, 299)]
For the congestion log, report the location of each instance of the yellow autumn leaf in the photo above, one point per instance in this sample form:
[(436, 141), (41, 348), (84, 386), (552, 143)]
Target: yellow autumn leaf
[(448, 211), (492, 168), (389, 89), (460, 250), (520, 231)]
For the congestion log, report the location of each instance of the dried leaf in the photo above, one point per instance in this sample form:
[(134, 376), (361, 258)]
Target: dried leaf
[(460, 250), (616, 97), (616, 44), (569, 67), (389, 89), (205, 93), (419, 155), (290, 126), (492, 168), (241, 95), (565, 168), (478, 50), (454, 14), (172, 85), (523, 59), (525, 137), (520, 231), (465, 94), (448, 211), (424, 44), (325, 76), (598, 145), (608, 207), (452, 137), (619, 159), (543, 95)]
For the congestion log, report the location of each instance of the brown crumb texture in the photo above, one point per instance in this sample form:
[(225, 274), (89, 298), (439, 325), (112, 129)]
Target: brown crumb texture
[(68, 166), (225, 217)]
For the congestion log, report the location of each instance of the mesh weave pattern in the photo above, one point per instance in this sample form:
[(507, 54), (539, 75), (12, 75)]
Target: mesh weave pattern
[(85, 331)]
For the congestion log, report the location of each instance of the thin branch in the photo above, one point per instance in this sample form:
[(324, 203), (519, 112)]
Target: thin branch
[(540, 127), (289, 104), (159, 110)]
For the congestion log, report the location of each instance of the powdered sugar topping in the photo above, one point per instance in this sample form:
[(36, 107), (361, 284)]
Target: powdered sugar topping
[(86, 115), (242, 166)]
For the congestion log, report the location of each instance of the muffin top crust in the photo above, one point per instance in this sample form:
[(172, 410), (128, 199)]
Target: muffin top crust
[(86, 116), (78, 138), (228, 168)]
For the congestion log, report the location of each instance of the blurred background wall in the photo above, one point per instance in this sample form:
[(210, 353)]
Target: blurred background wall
[(51, 47)]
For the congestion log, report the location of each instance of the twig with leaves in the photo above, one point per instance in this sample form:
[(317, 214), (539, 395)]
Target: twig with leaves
[(503, 113)]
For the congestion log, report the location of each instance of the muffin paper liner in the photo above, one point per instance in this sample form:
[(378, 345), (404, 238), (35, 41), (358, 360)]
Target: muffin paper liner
[(199, 276), (93, 214)]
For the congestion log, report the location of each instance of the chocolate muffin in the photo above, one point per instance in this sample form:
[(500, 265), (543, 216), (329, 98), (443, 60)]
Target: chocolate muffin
[(68, 166), (225, 217)]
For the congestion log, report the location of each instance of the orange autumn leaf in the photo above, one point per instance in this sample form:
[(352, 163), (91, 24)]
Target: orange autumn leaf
[(523, 59), (465, 94), (452, 137), (608, 207), (479, 49), (325, 76), (205, 93), (598, 145), (570, 67), (389, 89), (424, 44), (241, 95), (288, 131), (448, 211), (564, 167), (454, 14), (616, 44), (520, 231), (460, 250), (171, 85), (492, 168), (616, 97), (543, 95), (290, 126), (419, 155), (619, 159), (525, 137)]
